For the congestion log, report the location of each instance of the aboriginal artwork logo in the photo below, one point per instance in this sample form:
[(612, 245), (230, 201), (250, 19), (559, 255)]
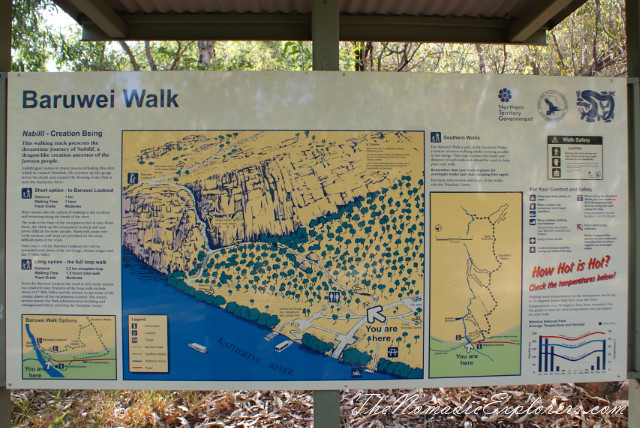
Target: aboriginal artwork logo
[(594, 105), (504, 95), (552, 105)]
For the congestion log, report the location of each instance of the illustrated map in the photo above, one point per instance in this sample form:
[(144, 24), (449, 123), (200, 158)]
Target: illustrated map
[(314, 235), (68, 347), (475, 284)]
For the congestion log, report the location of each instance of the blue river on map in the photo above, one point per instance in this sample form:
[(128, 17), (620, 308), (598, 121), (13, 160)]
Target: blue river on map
[(232, 344)]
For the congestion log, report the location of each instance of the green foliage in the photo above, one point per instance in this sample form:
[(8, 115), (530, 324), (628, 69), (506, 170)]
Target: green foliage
[(195, 270), (590, 42), (30, 38), (73, 55), (296, 56), (353, 356), (241, 55), (293, 240), (312, 342), (253, 315), (399, 369), (176, 279)]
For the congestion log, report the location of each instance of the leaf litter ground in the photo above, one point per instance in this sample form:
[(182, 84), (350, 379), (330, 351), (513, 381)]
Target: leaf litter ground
[(384, 408)]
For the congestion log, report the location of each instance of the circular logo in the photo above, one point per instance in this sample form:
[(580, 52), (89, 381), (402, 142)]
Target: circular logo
[(504, 95), (552, 105)]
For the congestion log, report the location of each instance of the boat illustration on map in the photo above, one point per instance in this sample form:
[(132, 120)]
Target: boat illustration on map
[(200, 348), (315, 235), (283, 345)]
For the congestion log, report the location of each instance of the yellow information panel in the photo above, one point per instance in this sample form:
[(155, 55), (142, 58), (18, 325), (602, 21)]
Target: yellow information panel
[(148, 344), (476, 292), (68, 346)]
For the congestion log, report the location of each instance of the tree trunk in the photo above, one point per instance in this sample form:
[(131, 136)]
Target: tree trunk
[(207, 53), (147, 50), (481, 65), (125, 47)]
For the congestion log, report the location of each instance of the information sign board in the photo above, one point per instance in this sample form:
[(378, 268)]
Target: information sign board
[(314, 230)]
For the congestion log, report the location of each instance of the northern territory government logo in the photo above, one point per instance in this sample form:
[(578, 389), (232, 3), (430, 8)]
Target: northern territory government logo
[(594, 105), (504, 95), (552, 105), (509, 111)]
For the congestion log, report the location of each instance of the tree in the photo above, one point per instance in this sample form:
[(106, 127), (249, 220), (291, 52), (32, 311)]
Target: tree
[(35, 44), (207, 53), (30, 38), (590, 42)]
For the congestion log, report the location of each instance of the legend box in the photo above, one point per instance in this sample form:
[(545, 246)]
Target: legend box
[(148, 344)]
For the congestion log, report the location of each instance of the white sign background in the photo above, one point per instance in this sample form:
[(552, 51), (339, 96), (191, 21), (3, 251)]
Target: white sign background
[(448, 108)]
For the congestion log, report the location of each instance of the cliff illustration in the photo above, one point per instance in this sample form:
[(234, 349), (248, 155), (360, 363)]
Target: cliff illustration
[(202, 192)]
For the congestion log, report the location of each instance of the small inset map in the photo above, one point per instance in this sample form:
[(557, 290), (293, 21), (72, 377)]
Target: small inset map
[(476, 286), (68, 347)]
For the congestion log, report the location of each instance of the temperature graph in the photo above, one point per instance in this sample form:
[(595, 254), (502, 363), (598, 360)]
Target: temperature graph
[(559, 353)]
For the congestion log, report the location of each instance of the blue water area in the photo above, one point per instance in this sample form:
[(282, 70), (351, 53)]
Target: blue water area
[(49, 370), (236, 349)]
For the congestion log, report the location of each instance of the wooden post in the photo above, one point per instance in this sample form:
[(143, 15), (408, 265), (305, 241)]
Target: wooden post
[(5, 66), (633, 67), (325, 18), (325, 34)]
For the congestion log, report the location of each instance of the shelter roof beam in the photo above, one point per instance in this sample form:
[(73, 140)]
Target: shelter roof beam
[(103, 17), (538, 15), (299, 27)]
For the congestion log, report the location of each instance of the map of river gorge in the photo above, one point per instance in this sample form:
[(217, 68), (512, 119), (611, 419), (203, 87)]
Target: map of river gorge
[(475, 284), (68, 347), (315, 238)]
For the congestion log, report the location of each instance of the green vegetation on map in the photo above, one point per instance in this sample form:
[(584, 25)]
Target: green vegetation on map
[(332, 255), (498, 354), (476, 284), (318, 235), (68, 347), (74, 366)]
